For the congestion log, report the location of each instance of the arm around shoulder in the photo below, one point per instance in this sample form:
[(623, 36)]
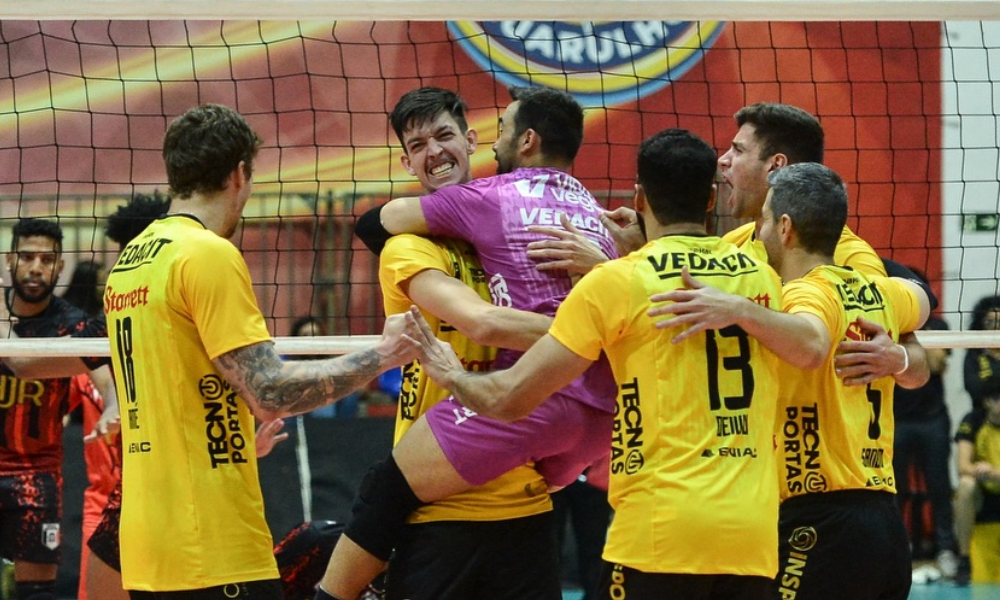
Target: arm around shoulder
[(514, 393), (404, 215), (800, 339), (483, 323)]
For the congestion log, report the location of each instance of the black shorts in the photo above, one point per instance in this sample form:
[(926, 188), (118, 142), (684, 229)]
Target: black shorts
[(847, 544), (617, 582), (515, 559), (253, 590), (104, 543), (30, 511), (989, 511)]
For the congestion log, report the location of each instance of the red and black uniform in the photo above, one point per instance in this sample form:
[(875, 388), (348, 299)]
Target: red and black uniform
[(31, 429)]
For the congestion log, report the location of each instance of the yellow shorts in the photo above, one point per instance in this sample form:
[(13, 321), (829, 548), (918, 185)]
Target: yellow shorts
[(984, 553)]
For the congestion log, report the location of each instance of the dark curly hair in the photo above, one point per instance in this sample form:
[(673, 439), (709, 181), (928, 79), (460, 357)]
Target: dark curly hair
[(135, 215), (30, 226), (984, 306), (676, 168)]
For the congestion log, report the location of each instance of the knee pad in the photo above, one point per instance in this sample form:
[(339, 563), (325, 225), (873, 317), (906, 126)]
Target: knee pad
[(35, 590), (379, 513)]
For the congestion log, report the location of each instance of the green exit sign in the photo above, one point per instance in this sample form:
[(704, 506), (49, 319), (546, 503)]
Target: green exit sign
[(980, 222)]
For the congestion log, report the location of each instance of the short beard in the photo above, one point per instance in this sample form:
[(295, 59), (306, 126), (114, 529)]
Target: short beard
[(44, 297), (502, 167)]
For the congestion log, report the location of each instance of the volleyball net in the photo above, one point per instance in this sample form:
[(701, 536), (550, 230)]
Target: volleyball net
[(909, 103)]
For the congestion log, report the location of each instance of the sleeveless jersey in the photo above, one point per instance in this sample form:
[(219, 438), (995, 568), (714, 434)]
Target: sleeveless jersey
[(692, 456)]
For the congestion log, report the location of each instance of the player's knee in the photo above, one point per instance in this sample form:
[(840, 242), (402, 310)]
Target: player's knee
[(384, 502), (36, 590)]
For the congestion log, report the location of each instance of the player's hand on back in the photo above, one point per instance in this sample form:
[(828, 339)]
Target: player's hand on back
[(697, 306), (859, 362), (569, 248), (623, 226)]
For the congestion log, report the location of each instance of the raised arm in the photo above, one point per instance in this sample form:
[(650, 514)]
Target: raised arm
[(625, 228), (460, 306), (274, 388)]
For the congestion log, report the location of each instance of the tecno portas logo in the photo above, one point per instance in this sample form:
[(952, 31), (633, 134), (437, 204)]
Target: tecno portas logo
[(600, 63)]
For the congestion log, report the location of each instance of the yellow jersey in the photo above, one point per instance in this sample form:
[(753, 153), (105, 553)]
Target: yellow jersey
[(192, 512), (518, 493), (832, 436), (851, 250), (692, 455)]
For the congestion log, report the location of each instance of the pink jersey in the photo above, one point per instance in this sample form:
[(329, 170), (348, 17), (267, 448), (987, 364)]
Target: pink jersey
[(493, 214)]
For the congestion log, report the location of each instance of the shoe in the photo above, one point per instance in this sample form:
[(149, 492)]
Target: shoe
[(963, 575), (925, 574), (947, 563)]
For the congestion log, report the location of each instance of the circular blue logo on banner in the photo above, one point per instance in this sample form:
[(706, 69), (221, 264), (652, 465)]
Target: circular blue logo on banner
[(600, 63)]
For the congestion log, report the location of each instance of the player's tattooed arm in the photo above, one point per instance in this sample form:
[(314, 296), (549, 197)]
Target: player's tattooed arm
[(275, 388)]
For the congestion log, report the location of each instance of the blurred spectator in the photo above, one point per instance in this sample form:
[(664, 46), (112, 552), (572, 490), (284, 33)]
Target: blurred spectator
[(982, 363), (977, 501), (308, 327), (86, 287), (922, 448)]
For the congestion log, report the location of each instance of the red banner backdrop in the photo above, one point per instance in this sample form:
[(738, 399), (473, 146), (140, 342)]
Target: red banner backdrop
[(83, 107)]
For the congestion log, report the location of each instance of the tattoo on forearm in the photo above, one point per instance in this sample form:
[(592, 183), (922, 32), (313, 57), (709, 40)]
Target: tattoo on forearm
[(297, 386)]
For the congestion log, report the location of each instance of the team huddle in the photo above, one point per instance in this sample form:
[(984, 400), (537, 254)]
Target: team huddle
[(738, 388)]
